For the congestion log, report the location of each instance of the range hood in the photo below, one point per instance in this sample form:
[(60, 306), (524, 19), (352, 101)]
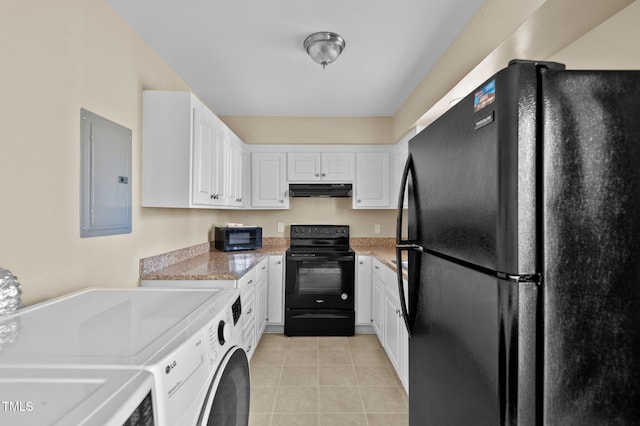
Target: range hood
[(320, 190)]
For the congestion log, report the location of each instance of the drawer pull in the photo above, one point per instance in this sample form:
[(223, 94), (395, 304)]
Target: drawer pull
[(250, 281)]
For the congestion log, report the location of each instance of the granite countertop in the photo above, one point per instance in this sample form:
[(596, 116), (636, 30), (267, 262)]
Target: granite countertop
[(202, 262), (213, 265)]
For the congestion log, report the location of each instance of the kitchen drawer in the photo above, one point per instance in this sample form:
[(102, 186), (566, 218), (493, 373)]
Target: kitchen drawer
[(247, 281), (262, 269)]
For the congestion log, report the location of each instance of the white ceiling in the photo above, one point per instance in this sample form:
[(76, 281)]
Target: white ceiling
[(245, 57)]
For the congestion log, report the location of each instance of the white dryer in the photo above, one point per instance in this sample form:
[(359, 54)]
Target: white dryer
[(189, 340)]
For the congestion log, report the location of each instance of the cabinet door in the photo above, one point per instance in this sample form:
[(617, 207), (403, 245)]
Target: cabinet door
[(235, 172), (377, 306), (363, 290), (400, 160), (372, 180), (275, 308), (210, 144), (303, 166), (268, 184), (220, 161), (261, 307), (338, 166), (203, 147), (403, 356), (392, 329)]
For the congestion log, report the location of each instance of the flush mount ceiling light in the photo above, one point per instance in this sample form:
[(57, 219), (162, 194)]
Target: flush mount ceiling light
[(324, 47)]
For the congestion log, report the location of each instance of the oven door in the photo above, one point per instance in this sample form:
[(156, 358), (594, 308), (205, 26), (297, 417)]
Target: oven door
[(320, 280)]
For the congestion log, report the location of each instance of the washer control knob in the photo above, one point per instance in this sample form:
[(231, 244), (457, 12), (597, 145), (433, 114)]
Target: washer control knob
[(344, 296), (224, 332)]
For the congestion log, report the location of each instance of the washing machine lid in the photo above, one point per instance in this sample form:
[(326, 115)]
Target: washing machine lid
[(105, 327), (75, 397)]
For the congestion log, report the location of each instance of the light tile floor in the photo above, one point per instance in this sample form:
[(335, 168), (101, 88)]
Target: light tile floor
[(324, 381)]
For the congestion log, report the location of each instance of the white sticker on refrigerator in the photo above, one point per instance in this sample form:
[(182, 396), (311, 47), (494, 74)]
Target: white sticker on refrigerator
[(485, 96)]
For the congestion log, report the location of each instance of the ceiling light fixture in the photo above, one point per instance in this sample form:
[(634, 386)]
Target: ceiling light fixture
[(324, 47)]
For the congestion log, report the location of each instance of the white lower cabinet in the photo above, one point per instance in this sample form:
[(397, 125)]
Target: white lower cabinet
[(261, 306), (387, 320), (275, 304), (249, 328), (377, 307), (363, 290), (396, 336)]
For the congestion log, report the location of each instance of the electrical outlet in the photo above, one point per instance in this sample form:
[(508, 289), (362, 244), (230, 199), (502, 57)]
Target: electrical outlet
[(376, 228), (280, 227)]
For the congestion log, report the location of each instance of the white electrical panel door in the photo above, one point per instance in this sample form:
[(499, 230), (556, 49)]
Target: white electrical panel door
[(105, 187)]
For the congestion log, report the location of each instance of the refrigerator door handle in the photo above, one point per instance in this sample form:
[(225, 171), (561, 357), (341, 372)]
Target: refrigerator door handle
[(404, 245)]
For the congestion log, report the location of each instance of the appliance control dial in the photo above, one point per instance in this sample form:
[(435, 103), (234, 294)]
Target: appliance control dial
[(344, 296)]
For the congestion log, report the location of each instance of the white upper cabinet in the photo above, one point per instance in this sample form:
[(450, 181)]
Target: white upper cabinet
[(320, 166), (303, 166), (268, 180), (236, 180), (210, 149), (338, 167), (372, 180), (186, 155)]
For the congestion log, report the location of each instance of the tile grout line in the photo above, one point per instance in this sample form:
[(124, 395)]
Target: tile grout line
[(364, 409)]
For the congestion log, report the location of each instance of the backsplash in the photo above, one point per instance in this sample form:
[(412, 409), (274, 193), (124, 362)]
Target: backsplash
[(154, 263)]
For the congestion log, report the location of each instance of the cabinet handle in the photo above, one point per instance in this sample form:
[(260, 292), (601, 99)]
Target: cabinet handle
[(264, 267), (359, 201), (281, 201), (278, 262), (251, 310), (324, 174), (361, 262), (249, 348), (238, 200), (317, 175), (250, 281), (376, 267)]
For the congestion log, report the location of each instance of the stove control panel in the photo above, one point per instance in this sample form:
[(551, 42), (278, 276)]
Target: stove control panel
[(320, 231)]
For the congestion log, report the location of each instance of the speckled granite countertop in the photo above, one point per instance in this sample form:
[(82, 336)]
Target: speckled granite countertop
[(202, 262)]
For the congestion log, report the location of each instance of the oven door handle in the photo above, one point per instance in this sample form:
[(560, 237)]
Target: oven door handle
[(335, 257)]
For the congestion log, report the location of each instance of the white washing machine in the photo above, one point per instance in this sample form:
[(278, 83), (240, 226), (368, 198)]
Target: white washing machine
[(40, 396), (190, 341)]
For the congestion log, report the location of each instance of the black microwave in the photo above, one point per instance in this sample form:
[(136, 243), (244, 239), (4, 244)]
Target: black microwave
[(237, 238)]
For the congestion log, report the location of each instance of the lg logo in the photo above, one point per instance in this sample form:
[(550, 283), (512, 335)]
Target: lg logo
[(170, 367)]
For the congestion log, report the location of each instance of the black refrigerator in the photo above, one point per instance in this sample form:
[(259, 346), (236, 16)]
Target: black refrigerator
[(523, 240)]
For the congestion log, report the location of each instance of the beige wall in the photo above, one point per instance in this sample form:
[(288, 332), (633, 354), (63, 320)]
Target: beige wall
[(320, 211), (503, 30), (58, 57), (311, 130)]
